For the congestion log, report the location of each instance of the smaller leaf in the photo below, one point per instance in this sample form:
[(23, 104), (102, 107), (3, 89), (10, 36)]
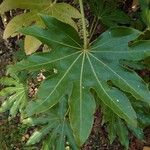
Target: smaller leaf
[(17, 105), (8, 81), (26, 4), (17, 22), (15, 95), (6, 105), (7, 91), (55, 125), (116, 17), (108, 12), (122, 133), (115, 127), (145, 6), (40, 120), (111, 127), (38, 135)]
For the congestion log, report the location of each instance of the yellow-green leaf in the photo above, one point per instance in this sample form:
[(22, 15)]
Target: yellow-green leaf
[(31, 44)]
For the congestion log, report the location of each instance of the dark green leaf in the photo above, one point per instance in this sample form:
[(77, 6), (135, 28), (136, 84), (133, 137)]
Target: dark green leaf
[(145, 6), (55, 125), (81, 69), (108, 12)]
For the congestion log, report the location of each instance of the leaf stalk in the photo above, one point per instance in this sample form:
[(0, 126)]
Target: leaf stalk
[(83, 24)]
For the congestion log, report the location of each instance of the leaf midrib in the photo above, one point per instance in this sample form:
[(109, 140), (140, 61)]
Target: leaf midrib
[(81, 94), (129, 51), (51, 61)]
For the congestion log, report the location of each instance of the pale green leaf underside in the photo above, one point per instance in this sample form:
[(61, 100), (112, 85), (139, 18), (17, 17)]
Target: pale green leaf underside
[(81, 70)]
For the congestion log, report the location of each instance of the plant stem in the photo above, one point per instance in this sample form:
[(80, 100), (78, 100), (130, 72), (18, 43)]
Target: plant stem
[(83, 25)]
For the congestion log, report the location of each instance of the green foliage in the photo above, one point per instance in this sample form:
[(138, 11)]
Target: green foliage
[(143, 112), (15, 93), (54, 123), (61, 11), (80, 70), (84, 74), (108, 12), (145, 6), (117, 128)]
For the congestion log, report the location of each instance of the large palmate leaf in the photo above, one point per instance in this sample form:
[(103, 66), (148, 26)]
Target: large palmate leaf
[(79, 70), (61, 11), (55, 125), (15, 93), (108, 12)]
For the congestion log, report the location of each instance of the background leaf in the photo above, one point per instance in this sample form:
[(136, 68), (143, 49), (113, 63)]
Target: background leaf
[(145, 6), (15, 93), (108, 12), (55, 127)]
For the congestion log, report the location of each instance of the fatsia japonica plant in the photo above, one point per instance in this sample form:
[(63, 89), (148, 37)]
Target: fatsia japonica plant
[(85, 74)]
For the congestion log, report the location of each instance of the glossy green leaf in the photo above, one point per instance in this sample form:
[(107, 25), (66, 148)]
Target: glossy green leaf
[(81, 70)]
